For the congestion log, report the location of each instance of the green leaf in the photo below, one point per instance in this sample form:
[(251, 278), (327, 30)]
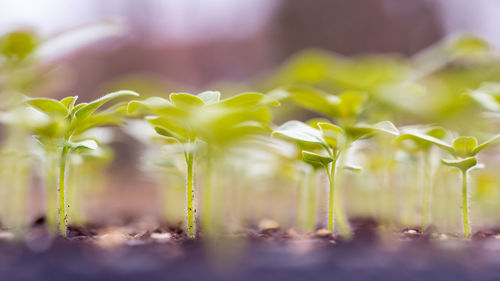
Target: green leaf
[(467, 46), (464, 146), (85, 144), (353, 168), (386, 127), (315, 100), (332, 134), (418, 136), (176, 129), (463, 164), (485, 144), (366, 130), (486, 96), (315, 121), (299, 131), (210, 97), (48, 106), (185, 100), (148, 105), (18, 44), (316, 158), (69, 102), (89, 108), (351, 104), (244, 100), (166, 133)]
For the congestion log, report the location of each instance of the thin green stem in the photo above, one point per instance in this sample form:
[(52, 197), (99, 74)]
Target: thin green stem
[(427, 191), (190, 194), (51, 212), (465, 205), (61, 190), (207, 216), (312, 201), (301, 200), (331, 178), (335, 209)]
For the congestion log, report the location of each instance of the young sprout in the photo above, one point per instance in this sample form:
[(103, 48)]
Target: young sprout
[(332, 143), (487, 96), (204, 121), (463, 150), (428, 166), (63, 133)]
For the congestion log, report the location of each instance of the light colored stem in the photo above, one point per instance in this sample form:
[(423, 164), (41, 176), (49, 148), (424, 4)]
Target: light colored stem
[(50, 192), (312, 202), (190, 194), (331, 179), (61, 190), (301, 201), (206, 213), (427, 191), (335, 210), (465, 205)]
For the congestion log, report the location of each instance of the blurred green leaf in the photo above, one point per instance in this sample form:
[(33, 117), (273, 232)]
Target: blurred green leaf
[(299, 131), (69, 102), (210, 97), (18, 45), (89, 108), (183, 100), (464, 146), (48, 106), (463, 164), (485, 144), (316, 158)]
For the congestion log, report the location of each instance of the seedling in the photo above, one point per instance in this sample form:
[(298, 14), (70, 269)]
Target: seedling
[(333, 142), (62, 134), (428, 166), (203, 120), (464, 150)]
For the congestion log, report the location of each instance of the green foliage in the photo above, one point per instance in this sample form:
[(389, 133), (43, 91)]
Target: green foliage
[(64, 129), (18, 45)]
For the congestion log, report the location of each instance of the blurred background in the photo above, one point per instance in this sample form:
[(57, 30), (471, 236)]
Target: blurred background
[(193, 45)]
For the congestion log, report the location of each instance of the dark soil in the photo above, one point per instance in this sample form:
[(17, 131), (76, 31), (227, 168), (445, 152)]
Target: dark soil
[(166, 254)]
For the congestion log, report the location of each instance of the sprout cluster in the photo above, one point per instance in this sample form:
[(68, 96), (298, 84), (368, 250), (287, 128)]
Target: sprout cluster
[(233, 145)]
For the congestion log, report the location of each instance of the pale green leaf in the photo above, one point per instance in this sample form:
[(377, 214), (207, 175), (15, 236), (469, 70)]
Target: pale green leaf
[(418, 136), (244, 100), (315, 100), (89, 108), (351, 104), (48, 106), (463, 164), (485, 144), (210, 97), (464, 146), (86, 144), (148, 105), (299, 131), (386, 127), (353, 168), (316, 158), (69, 102), (185, 100)]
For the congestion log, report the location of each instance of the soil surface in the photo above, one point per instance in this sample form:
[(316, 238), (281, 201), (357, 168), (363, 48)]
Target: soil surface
[(270, 254)]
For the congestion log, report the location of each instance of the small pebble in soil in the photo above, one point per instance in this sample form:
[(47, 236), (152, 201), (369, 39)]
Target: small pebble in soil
[(323, 232), (112, 238), (161, 237), (267, 225)]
